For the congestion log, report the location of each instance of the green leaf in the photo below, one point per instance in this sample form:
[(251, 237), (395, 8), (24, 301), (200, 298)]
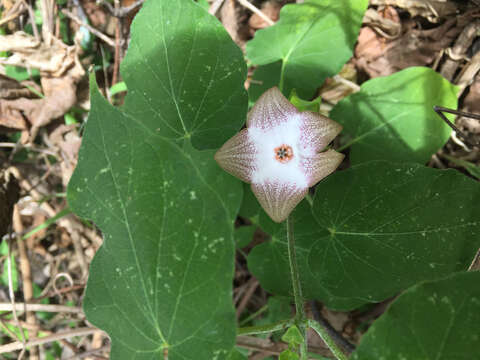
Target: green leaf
[(20, 74), (436, 320), (395, 223), (313, 40), (293, 336), (250, 207), (167, 213), (279, 308), (288, 355), (4, 277), (118, 88), (244, 235), (184, 74), (204, 4), (162, 280), (236, 355), (304, 105), (392, 117), (264, 78)]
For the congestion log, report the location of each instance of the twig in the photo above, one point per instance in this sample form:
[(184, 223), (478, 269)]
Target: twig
[(121, 11), (15, 11), (17, 345), (40, 307), (94, 31), (31, 15), (355, 87), (116, 60), (26, 276), (12, 294), (47, 18), (256, 10), (458, 51), (252, 286), (215, 6), (89, 352), (60, 291)]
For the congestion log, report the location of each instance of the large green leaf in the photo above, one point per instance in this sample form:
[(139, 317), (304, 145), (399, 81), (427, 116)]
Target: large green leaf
[(162, 280), (437, 320), (313, 40), (392, 117), (373, 230), (163, 277), (184, 74)]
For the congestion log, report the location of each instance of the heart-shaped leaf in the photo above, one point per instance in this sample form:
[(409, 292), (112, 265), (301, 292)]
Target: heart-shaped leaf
[(435, 320), (392, 117), (313, 40), (162, 281), (373, 230)]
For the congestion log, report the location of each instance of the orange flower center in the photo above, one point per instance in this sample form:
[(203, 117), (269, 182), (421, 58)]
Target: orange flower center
[(283, 153)]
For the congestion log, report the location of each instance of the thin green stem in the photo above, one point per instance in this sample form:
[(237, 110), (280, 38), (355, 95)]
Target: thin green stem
[(254, 315), (300, 316), (292, 258), (265, 329), (323, 333)]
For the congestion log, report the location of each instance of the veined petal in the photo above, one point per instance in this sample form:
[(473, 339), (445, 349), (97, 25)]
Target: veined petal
[(317, 130), (271, 110), (321, 165), (278, 199), (237, 156)]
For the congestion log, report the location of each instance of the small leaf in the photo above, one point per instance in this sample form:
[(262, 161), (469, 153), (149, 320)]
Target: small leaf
[(236, 355), (396, 223), (118, 88), (244, 235), (392, 117), (293, 336), (288, 355), (313, 40), (304, 105), (435, 320), (4, 277)]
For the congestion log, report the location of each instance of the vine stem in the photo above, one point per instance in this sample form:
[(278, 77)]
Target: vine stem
[(300, 317), (265, 329), (323, 333)]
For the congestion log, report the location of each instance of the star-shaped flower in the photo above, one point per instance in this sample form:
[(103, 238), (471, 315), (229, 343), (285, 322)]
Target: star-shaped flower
[(279, 153)]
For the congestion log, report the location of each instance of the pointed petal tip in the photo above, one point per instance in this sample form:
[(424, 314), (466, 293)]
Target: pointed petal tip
[(323, 164), (271, 109), (278, 200), (237, 156)]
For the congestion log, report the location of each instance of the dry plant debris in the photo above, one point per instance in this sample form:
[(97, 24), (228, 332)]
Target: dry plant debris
[(54, 260)]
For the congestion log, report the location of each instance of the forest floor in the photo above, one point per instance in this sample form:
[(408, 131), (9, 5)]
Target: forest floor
[(46, 250)]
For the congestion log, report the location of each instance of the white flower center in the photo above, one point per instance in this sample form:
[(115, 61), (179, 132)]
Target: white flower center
[(279, 154)]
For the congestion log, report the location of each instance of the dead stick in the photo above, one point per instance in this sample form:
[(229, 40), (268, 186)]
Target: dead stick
[(255, 10), (116, 60), (26, 276), (40, 307), (94, 31), (17, 345)]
